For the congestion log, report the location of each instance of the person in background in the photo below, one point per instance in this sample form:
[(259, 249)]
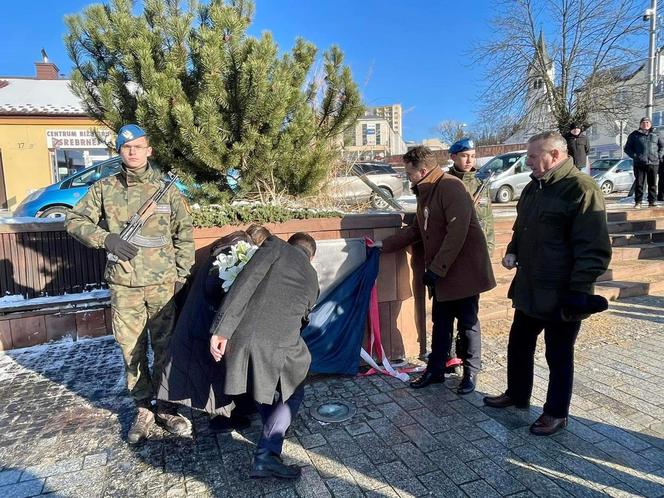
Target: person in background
[(462, 153), (578, 146), (646, 148)]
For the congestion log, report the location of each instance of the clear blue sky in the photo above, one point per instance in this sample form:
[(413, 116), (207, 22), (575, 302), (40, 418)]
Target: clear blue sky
[(400, 51)]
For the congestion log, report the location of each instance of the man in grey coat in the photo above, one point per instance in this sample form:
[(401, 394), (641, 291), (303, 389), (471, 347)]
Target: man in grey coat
[(257, 332)]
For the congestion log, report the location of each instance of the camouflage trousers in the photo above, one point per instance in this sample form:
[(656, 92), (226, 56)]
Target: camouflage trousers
[(141, 314)]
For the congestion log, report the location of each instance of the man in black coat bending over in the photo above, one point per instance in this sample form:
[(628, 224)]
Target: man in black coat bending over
[(257, 332)]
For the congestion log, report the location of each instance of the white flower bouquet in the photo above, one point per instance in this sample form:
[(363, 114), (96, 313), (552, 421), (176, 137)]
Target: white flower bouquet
[(230, 265)]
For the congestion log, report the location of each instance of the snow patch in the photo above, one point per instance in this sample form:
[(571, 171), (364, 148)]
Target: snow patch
[(22, 220), (9, 303)]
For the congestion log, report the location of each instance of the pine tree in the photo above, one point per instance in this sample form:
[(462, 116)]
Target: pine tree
[(210, 96)]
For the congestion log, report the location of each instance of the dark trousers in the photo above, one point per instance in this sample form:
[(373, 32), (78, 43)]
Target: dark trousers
[(276, 419), (660, 182), (559, 338), (645, 173), (443, 315)]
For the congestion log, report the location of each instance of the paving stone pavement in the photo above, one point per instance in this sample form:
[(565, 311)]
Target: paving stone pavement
[(66, 413)]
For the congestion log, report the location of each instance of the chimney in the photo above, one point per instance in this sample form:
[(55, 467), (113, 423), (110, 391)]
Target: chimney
[(46, 70)]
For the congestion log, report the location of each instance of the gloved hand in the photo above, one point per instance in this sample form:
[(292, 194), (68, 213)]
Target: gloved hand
[(429, 278), (577, 305), (575, 299), (121, 248)]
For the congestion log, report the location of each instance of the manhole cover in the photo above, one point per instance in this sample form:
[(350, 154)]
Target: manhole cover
[(333, 411)]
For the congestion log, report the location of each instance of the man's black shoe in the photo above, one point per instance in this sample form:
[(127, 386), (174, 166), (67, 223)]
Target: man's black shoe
[(268, 464), (225, 424), (468, 382), (427, 378), (503, 401)]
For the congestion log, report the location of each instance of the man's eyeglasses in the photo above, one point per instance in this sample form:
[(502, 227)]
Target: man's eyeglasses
[(137, 148)]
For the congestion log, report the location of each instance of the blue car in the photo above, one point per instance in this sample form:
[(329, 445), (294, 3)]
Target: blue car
[(54, 201)]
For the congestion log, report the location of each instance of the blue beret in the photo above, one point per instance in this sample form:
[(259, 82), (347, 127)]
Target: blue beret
[(462, 145), (128, 133)]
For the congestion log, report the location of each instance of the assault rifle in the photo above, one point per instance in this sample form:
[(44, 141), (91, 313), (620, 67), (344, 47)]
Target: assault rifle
[(132, 229), (483, 186)]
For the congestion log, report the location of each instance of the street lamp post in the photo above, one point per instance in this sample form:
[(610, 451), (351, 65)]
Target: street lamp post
[(651, 14)]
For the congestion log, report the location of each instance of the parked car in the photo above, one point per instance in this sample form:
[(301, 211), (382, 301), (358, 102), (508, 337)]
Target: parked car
[(54, 201), (613, 175), (350, 188), (511, 175)]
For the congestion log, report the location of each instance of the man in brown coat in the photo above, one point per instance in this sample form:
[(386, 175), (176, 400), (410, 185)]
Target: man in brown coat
[(458, 267)]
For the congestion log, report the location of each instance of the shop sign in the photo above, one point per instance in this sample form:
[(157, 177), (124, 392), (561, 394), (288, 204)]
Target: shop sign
[(75, 139)]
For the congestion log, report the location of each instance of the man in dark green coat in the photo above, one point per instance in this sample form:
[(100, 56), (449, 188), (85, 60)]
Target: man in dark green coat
[(560, 246)]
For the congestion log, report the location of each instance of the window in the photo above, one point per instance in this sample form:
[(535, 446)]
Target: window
[(349, 137), (86, 178), (625, 165), (658, 118), (109, 169), (378, 133), (364, 134)]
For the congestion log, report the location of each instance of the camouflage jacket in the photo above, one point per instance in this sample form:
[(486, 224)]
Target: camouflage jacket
[(483, 206), (115, 199)]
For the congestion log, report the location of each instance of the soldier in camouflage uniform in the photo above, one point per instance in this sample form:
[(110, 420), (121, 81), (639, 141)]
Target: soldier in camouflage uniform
[(142, 300), (468, 341), (462, 153)]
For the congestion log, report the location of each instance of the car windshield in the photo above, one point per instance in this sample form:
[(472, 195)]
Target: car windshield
[(603, 164), (86, 178), (500, 163)]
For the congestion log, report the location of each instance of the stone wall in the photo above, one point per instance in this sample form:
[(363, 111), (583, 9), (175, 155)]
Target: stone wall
[(396, 305)]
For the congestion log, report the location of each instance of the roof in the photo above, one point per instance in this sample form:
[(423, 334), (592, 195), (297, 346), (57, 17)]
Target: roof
[(623, 72), (28, 96)]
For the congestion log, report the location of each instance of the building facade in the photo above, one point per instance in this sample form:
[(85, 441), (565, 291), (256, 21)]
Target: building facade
[(45, 134), (392, 113), (375, 135)]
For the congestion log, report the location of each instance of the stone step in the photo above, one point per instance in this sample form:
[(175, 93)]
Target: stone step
[(503, 229), (640, 237), (619, 269), (634, 269), (494, 307), (638, 251), (618, 239), (634, 214), (635, 225), (620, 289)]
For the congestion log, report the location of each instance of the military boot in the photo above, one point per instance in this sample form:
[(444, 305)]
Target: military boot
[(140, 429), (168, 418)]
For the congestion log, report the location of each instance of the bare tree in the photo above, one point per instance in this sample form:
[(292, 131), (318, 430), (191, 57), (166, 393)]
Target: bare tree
[(563, 59), (450, 131), (491, 131)]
